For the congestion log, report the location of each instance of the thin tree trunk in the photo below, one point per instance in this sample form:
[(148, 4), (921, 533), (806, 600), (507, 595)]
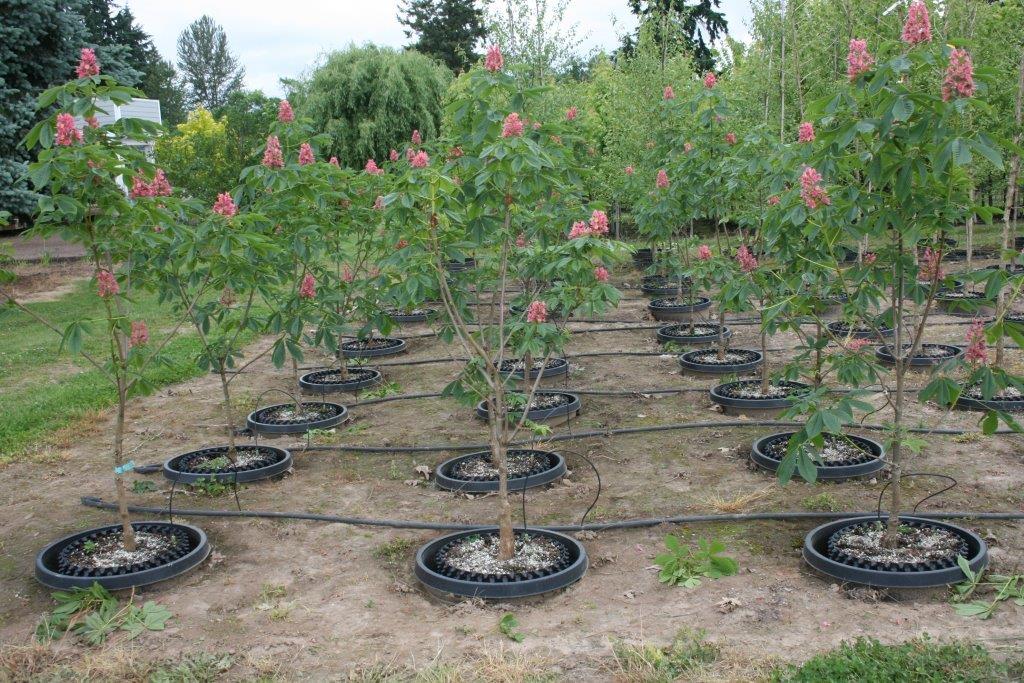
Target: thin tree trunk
[(229, 419), (1011, 194), (897, 423), (122, 500)]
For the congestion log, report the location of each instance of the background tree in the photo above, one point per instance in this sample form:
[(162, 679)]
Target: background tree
[(161, 82), (369, 100), (533, 36), (446, 29), (195, 158), (208, 68), (39, 42), (678, 24), (247, 115)]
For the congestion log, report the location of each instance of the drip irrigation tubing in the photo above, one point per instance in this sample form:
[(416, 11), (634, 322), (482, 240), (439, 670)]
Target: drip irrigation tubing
[(603, 433), (99, 503)]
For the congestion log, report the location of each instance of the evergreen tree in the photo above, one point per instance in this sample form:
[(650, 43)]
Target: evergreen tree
[(208, 68), (161, 83), (446, 29), (694, 27), (39, 46)]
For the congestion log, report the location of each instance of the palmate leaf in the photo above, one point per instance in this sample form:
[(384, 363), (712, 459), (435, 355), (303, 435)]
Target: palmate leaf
[(974, 609)]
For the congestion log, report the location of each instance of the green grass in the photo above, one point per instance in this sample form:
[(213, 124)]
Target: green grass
[(915, 661), (42, 391)]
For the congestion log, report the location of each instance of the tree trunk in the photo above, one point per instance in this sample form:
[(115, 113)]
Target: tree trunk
[(1011, 194), (229, 419), (122, 501), (499, 451), (891, 537)]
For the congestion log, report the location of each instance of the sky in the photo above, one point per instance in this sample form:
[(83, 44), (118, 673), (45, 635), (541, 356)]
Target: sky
[(276, 39)]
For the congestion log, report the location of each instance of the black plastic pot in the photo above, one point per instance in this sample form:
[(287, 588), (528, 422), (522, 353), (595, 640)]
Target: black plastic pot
[(659, 285), (872, 462), (48, 561), (550, 416), (556, 368), (661, 310), (456, 266), (836, 328), (178, 468), (441, 582), (644, 257), (323, 381), (445, 478), (969, 305), (408, 318), (1006, 405), (817, 555), (351, 349), (679, 335), (689, 363), (754, 407), (259, 421), (884, 355)]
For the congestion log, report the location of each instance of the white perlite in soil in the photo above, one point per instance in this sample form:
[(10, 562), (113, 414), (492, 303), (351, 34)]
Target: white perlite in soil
[(479, 554), (698, 331), (308, 414), (836, 449), (110, 551), (928, 351), (753, 390), (710, 357), (1007, 394), (916, 544), (243, 458), (519, 462)]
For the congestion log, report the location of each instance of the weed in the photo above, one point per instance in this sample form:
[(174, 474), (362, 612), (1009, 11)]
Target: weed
[(684, 566), (210, 487), (823, 502), (93, 614), (382, 390), (394, 551), (143, 486), (1004, 588), (200, 668), (507, 625)]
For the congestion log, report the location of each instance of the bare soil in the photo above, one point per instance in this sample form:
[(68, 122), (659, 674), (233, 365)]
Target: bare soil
[(352, 600)]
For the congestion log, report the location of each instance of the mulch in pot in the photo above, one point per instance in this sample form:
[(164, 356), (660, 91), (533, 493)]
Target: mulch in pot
[(921, 546)]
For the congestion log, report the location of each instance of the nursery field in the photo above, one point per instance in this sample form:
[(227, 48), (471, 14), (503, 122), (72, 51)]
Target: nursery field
[(288, 599)]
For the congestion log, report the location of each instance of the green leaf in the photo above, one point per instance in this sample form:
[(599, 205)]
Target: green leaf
[(508, 625)]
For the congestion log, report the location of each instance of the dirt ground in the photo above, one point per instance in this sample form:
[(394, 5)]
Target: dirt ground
[(311, 601)]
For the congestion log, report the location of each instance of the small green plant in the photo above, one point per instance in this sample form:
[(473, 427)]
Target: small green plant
[(508, 625), (823, 502), (688, 653), (89, 547), (143, 486), (684, 566), (1004, 588), (198, 668), (93, 614), (210, 487), (393, 552), (383, 390)]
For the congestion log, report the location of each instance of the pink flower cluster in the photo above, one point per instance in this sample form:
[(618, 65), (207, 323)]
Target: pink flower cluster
[(856, 344), (419, 160), (811, 191), (687, 147), (661, 182), (858, 60), (393, 155), (494, 60), (959, 81), (306, 156), (598, 226), (378, 203), (92, 121), (730, 138), (601, 274), (976, 351), (224, 205), (668, 93), (67, 133), (372, 168), (747, 261), (417, 139), (930, 267), (87, 63), (334, 161), (806, 132), (346, 274), (629, 170), (537, 312), (704, 252), (307, 289), (774, 200), (869, 258), (918, 27), (571, 113), (139, 335), (513, 126), (285, 114), (710, 80), (158, 188), (272, 155), (106, 284)]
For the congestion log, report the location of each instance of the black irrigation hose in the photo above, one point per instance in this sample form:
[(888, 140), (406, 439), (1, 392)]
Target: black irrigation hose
[(438, 448), (99, 503)]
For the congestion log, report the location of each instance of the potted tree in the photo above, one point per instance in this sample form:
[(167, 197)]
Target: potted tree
[(483, 201), (84, 199)]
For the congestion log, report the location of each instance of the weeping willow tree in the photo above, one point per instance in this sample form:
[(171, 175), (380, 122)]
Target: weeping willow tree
[(369, 100)]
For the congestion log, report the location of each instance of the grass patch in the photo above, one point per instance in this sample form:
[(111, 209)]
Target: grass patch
[(823, 502), (687, 654), (43, 391), (915, 661), (394, 552)]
